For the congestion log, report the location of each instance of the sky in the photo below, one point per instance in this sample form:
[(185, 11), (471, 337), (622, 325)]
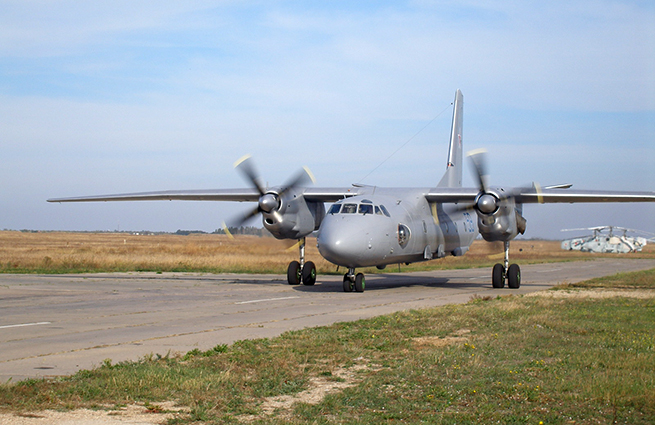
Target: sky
[(129, 96)]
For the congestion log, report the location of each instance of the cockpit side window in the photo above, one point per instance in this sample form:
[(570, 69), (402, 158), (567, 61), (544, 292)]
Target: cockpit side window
[(334, 209), (365, 209), (349, 209), (403, 235), (384, 211), (378, 211)]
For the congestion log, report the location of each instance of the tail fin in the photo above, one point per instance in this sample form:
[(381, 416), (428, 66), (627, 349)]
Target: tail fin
[(453, 175)]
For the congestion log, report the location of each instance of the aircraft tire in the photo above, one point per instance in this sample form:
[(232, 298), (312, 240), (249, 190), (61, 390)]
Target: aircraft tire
[(497, 278), (293, 273), (309, 274), (347, 284), (360, 282), (514, 276)]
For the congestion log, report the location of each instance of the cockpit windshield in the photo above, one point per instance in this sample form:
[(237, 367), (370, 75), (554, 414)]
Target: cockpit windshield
[(365, 208), (334, 209), (349, 209)]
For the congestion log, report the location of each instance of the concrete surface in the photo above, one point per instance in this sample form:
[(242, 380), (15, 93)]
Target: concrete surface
[(58, 324)]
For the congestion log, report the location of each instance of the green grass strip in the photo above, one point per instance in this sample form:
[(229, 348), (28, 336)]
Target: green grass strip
[(510, 360)]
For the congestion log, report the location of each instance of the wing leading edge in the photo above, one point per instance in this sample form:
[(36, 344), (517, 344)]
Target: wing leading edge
[(238, 195), (234, 195), (441, 195), (534, 195), (547, 196)]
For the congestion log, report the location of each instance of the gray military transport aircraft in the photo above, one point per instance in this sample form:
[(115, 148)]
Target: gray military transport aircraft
[(375, 226)]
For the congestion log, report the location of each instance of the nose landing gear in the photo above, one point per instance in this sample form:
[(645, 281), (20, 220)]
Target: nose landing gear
[(506, 271), (353, 282), (301, 271)]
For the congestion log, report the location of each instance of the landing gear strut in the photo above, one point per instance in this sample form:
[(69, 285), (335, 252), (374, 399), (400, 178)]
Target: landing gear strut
[(506, 271), (301, 271), (353, 282)]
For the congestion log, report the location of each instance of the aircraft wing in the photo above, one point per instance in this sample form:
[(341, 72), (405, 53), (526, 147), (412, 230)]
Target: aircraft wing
[(545, 196), (234, 195), (239, 195), (442, 195), (533, 195), (329, 194), (452, 194)]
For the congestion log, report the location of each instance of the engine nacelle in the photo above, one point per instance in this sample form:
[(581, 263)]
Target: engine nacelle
[(294, 217), (503, 224)]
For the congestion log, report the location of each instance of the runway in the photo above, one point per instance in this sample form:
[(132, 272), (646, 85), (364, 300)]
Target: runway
[(58, 324)]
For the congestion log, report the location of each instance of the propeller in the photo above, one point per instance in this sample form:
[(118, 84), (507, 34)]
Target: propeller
[(486, 203), (269, 201)]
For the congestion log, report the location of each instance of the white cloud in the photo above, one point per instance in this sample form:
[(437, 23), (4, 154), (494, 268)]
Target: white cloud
[(169, 93)]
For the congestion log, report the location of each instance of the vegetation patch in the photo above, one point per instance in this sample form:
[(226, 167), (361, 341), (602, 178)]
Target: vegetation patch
[(511, 359), (67, 252)]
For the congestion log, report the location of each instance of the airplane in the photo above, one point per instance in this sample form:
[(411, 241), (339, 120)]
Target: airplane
[(377, 226)]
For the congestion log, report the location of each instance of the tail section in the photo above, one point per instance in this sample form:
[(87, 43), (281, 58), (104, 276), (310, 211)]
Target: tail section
[(453, 175)]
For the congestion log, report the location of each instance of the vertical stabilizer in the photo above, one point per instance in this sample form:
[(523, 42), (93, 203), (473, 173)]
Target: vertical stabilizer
[(453, 175)]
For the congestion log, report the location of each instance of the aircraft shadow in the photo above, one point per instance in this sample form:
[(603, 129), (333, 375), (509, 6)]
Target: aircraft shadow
[(379, 282), (374, 282)]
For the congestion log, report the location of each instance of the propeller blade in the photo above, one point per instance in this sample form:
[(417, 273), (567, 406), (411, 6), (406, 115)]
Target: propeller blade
[(479, 159), (294, 246), (243, 217), (269, 201), (303, 177), (247, 167), (227, 231)]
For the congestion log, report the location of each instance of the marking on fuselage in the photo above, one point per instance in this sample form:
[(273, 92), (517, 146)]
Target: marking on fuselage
[(265, 300), (25, 324)]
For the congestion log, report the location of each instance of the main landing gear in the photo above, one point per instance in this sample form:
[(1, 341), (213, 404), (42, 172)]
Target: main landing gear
[(301, 271), (353, 282), (506, 271)]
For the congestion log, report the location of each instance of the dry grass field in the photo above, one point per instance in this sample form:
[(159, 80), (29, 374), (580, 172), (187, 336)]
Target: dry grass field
[(67, 252)]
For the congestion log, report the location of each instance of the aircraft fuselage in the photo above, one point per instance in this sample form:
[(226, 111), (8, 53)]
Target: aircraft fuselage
[(390, 226)]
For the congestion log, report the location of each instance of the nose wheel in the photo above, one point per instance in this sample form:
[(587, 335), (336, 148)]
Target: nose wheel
[(506, 271), (301, 271), (354, 282)]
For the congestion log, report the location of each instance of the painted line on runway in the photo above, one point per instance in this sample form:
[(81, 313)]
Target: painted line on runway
[(25, 324), (556, 269), (264, 300)]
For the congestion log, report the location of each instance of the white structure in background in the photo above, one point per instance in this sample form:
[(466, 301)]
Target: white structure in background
[(606, 242)]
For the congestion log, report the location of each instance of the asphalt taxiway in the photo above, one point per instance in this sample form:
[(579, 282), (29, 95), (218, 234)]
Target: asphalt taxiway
[(58, 324)]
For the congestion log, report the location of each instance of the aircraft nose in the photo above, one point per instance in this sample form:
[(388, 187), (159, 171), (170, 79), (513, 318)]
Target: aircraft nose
[(343, 246)]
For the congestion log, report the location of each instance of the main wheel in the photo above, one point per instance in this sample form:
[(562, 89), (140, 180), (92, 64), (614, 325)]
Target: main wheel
[(497, 278), (309, 274), (360, 282), (514, 276), (347, 284), (293, 273)]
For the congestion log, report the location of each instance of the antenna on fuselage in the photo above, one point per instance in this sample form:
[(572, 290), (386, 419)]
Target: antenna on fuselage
[(403, 145)]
